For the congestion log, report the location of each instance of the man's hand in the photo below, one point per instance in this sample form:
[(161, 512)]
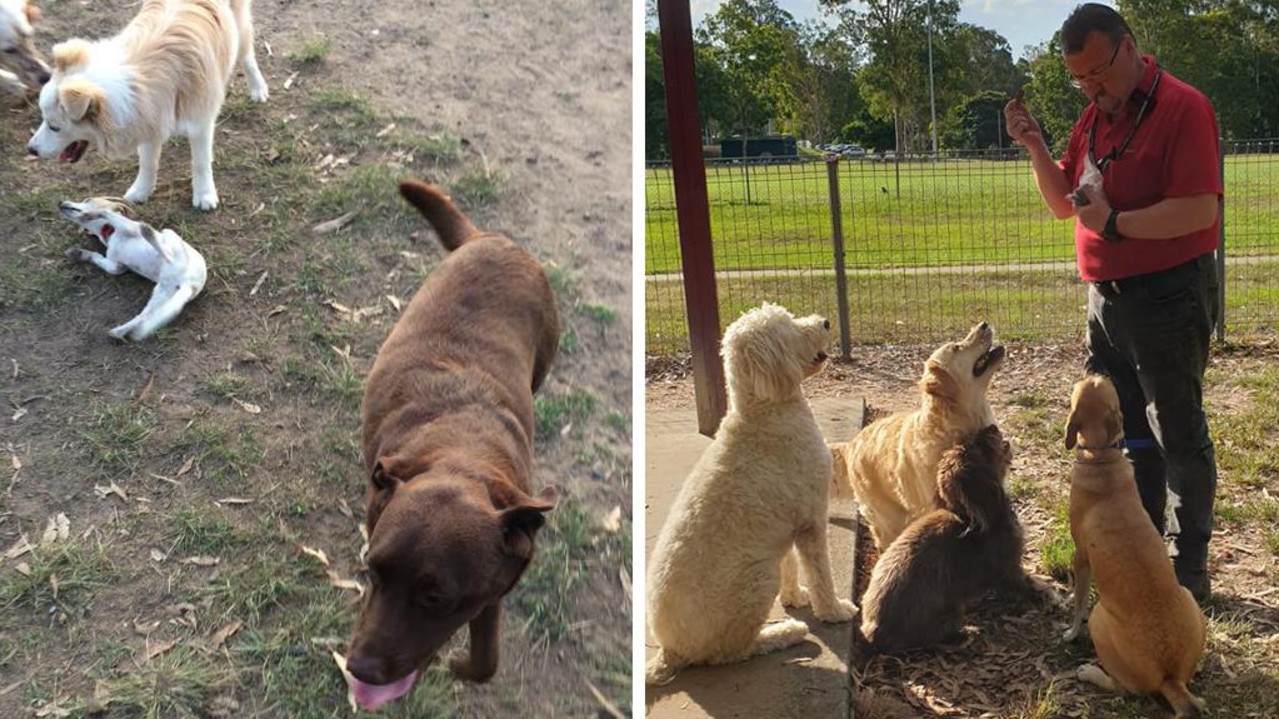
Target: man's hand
[(1093, 213), (1022, 126)]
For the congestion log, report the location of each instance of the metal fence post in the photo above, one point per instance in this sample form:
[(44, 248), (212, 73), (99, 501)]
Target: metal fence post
[(1221, 244), (841, 278)]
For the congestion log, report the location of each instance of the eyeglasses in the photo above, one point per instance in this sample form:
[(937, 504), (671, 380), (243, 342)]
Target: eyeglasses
[(1096, 76)]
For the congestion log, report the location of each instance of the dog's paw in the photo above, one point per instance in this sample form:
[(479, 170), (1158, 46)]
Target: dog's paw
[(121, 333), (794, 597), (206, 200), (260, 93), (844, 611), (136, 194)]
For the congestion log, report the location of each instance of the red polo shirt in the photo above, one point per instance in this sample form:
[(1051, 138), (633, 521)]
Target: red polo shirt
[(1174, 153)]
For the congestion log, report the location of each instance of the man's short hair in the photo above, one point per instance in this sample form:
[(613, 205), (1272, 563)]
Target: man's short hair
[(1087, 19)]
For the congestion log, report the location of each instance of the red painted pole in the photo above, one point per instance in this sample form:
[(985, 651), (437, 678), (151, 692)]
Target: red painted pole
[(692, 211)]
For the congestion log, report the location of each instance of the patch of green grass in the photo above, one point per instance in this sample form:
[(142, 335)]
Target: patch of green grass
[(600, 313), (202, 531), (312, 51), (553, 413), (331, 380), (335, 102), (438, 149), (119, 434), (568, 341), (79, 565), (1057, 548), (225, 384), (226, 453), (476, 188), (542, 595), (178, 683), (619, 421)]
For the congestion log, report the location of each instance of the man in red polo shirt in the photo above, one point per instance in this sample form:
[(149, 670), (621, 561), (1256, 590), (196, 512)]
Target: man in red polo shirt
[(1141, 177)]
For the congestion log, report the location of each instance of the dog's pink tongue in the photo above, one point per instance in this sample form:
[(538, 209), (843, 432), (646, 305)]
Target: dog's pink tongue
[(372, 696)]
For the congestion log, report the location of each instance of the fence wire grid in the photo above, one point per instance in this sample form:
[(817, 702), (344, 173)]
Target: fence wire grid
[(930, 247)]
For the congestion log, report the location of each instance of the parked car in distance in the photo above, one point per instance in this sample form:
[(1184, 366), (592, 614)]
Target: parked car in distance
[(854, 151)]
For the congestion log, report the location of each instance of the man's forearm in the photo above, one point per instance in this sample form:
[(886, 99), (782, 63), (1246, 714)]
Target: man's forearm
[(1166, 219), (1052, 182)]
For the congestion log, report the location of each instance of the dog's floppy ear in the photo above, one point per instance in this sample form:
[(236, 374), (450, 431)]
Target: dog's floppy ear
[(381, 479), (1072, 428), (521, 522), (938, 381), (81, 100), (69, 54)]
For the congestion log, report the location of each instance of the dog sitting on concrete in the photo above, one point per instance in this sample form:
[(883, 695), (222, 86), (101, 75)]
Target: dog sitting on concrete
[(971, 543), (751, 511), (1148, 630), (176, 268)]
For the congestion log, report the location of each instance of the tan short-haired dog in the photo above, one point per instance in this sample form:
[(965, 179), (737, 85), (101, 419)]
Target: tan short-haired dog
[(1147, 629)]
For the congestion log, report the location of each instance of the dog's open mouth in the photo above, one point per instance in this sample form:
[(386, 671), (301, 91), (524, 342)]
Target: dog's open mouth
[(74, 151), (988, 361), (372, 696)]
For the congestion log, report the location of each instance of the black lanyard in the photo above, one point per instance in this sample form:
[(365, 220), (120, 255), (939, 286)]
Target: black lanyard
[(1115, 152)]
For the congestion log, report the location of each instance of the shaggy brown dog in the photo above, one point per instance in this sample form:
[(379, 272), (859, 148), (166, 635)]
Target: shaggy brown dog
[(891, 465), (448, 432), (971, 543), (1148, 630)]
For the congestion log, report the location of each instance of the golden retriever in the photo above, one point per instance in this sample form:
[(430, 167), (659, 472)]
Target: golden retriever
[(1148, 630), (165, 74), (891, 465), (754, 504)]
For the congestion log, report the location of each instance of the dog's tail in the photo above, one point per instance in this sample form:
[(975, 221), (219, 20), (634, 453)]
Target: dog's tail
[(450, 224), (663, 667), (164, 314), (1186, 705)]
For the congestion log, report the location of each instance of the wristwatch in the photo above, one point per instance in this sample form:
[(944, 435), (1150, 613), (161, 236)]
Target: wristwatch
[(1110, 233)]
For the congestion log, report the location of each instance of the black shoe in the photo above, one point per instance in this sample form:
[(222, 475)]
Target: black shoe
[(1196, 580)]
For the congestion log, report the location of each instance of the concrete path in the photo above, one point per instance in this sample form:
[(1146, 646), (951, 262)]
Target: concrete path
[(808, 681)]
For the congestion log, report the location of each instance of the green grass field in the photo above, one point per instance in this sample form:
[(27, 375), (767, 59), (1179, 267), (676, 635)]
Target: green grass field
[(900, 220)]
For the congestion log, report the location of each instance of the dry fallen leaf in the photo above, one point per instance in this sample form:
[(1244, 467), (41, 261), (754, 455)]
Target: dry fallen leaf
[(104, 492), (17, 463), (22, 412), (186, 466), (317, 553), (147, 389), (335, 224), (277, 310), (338, 306), (157, 555), (247, 406), (613, 521), (346, 676), (396, 302), (232, 500), (19, 548), (340, 583), (57, 529), (386, 130), (155, 650), (220, 636), (23, 568)]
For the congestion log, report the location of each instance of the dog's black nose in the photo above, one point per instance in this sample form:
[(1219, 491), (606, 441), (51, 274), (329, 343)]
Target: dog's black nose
[(42, 76), (821, 356), (31, 150), (369, 670), (983, 326), (825, 324)]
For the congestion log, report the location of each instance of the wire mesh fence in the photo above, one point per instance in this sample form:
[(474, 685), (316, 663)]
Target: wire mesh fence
[(929, 247)]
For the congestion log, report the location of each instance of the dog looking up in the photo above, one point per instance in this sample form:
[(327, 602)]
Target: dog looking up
[(176, 268), (891, 465), (448, 424), (22, 70), (1148, 630), (165, 74), (971, 543), (753, 506)]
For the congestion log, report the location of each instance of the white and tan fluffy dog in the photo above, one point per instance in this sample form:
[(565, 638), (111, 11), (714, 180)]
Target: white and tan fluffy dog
[(891, 465), (22, 70), (177, 269), (165, 74), (754, 505)]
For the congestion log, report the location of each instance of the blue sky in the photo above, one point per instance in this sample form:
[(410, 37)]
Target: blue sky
[(1022, 22)]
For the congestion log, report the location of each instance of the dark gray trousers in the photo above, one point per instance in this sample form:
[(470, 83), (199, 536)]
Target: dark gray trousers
[(1150, 335)]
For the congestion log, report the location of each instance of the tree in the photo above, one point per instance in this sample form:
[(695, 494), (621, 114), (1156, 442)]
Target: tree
[(977, 122), (1050, 97), (656, 130), (752, 43), (825, 83)]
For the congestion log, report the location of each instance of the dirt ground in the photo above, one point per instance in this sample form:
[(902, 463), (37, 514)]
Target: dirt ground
[(1012, 662), (197, 470)]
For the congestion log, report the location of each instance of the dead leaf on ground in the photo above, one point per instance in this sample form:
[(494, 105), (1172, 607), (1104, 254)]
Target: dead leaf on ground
[(19, 548), (17, 463), (157, 555), (613, 520), (147, 388), (186, 466), (232, 500), (317, 553), (154, 650), (57, 529), (218, 638), (396, 302), (104, 492), (336, 580), (336, 223), (202, 561), (22, 412), (247, 406)]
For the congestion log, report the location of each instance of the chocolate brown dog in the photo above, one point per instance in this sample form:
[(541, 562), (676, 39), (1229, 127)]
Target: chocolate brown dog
[(1148, 630), (448, 428)]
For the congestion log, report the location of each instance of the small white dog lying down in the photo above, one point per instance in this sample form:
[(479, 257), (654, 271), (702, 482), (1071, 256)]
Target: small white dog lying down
[(165, 74), (755, 502), (176, 268)]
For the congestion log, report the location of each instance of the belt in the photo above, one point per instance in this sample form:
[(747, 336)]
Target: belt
[(1114, 288)]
